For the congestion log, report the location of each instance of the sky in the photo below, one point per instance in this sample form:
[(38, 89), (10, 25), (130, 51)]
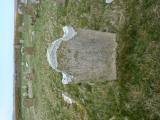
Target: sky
[(6, 58)]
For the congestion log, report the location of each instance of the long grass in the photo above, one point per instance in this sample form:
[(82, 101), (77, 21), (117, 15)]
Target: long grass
[(138, 60), (136, 93)]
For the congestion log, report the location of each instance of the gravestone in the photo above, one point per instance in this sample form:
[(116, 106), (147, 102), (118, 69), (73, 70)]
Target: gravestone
[(18, 46), (21, 41), (29, 76), (109, 1), (24, 1), (88, 56), (25, 94), (28, 102), (29, 50), (35, 1), (60, 2), (30, 89), (20, 11), (20, 29)]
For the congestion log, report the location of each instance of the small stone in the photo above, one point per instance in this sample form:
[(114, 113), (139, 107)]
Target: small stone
[(24, 87), (67, 99), (25, 94), (109, 1)]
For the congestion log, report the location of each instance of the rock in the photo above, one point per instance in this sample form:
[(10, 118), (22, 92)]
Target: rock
[(109, 1), (67, 99)]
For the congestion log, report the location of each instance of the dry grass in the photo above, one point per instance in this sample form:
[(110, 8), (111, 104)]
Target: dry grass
[(136, 94)]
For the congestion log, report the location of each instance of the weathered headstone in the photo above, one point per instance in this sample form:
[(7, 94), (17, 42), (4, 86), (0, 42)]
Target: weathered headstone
[(24, 87), (18, 46), (28, 102), (60, 2), (35, 1), (29, 50), (20, 11), (20, 29), (21, 41), (29, 76), (88, 56), (109, 1), (30, 92), (25, 94), (24, 1)]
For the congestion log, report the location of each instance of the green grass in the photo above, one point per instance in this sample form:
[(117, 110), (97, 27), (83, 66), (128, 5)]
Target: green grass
[(138, 61), (136, 93)]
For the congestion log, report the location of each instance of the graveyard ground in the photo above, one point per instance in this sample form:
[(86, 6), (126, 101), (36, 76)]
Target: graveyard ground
[(136, 93)]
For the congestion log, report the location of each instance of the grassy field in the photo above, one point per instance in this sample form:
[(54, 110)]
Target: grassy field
[(136, 93)]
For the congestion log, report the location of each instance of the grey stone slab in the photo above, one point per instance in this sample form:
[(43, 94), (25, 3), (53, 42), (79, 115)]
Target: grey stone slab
[(60, 2), (89, 56)]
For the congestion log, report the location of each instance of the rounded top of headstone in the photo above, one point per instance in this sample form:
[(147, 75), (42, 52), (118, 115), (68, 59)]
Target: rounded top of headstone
[(69, 33)]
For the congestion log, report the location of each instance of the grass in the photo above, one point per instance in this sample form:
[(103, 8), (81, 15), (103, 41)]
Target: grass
[(136, 93), (138, 61)]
